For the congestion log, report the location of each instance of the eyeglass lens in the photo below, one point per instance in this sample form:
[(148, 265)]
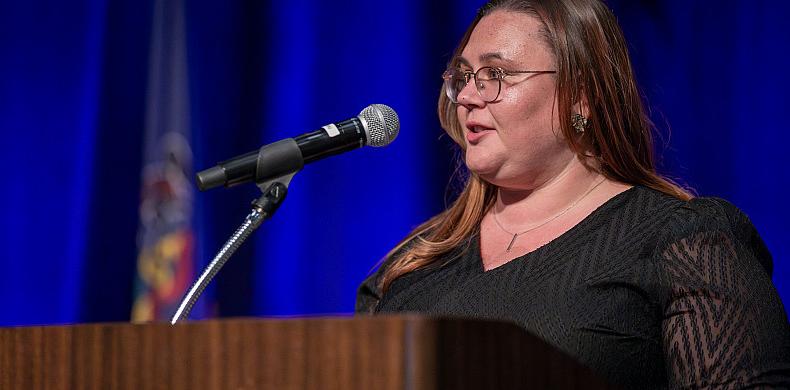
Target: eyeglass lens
[(486, 80)]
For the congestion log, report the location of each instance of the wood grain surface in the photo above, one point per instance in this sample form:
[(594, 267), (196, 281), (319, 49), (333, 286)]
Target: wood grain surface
[(384, 352)]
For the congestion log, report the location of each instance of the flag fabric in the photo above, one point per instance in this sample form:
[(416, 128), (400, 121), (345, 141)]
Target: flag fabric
[(165, 236)]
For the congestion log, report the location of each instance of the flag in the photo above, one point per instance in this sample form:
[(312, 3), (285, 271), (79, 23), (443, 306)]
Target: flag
[(165, 236)]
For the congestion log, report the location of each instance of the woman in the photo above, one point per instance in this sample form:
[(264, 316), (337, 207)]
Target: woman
[(565, 227)]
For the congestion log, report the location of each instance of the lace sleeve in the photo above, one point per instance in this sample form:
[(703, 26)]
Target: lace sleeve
[(723, 323)]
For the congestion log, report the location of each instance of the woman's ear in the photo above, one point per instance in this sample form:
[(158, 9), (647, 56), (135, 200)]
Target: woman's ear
[(580, 114), (581, 106)]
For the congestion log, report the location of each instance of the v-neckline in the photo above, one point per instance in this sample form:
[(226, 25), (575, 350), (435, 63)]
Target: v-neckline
[(568, 234)]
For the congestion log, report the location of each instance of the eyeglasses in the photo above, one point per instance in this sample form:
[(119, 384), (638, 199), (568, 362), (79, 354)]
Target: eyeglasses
[(488, 81)]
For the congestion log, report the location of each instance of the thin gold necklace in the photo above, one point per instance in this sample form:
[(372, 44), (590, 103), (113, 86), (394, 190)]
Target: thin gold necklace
[(515, 235)]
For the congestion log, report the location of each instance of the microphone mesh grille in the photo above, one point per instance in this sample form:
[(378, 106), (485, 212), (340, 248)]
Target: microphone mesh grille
[(383, 124)]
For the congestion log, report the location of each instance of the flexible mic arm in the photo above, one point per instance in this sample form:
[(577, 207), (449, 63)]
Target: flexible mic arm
[(262, 209)]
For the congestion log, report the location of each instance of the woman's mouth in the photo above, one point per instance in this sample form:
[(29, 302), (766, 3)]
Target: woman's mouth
[(475, 133)]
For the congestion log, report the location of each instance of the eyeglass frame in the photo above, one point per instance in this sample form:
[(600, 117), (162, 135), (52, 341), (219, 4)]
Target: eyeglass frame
[(468, 75)]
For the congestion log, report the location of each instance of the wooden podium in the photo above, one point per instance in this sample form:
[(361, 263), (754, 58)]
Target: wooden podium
[(385, 352)]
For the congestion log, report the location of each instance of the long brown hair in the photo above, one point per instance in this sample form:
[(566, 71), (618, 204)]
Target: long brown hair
[(592, 65)]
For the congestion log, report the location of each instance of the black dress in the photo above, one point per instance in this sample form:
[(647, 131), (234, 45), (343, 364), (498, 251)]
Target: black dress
[(649, 291)]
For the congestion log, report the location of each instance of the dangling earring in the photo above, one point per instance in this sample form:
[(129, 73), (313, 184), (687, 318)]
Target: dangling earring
[(579, 122)]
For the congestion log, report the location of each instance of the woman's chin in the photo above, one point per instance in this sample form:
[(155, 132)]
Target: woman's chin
[(484, 169)]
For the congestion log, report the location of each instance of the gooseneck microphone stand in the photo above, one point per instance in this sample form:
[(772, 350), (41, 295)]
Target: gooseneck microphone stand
[(287, 158), (262, 209)]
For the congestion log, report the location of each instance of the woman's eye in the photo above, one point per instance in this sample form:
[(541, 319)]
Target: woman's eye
[(492, 73)]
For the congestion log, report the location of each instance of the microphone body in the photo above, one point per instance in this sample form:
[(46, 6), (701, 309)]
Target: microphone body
[(377, 125), (331, 140)]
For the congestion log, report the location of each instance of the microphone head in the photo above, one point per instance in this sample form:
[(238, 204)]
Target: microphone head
[(381, 124)]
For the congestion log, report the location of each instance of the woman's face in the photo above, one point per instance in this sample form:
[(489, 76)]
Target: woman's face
[(513, 142)]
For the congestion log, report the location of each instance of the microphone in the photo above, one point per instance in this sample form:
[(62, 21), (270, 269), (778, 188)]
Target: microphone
[(377, 125)]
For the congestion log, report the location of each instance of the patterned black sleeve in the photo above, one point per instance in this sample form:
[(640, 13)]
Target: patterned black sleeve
[(723, 322), (368, 295)]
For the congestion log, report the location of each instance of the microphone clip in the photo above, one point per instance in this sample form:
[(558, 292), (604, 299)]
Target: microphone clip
[(274, 192)]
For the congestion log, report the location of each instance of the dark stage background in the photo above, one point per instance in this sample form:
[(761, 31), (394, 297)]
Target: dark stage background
[(84, 82)]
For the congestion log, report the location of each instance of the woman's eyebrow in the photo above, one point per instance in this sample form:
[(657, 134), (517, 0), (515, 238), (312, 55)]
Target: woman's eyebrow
[(486, 57), (496, 56)]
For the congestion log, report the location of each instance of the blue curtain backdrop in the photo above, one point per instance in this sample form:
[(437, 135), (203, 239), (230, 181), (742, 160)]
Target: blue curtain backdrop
[(73, 99)]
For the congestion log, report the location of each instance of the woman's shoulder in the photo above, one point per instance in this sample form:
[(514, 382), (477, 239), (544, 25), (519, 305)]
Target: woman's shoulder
[(709, 221), (369, 292), (669, 220), (712, 212), (695, 212)]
